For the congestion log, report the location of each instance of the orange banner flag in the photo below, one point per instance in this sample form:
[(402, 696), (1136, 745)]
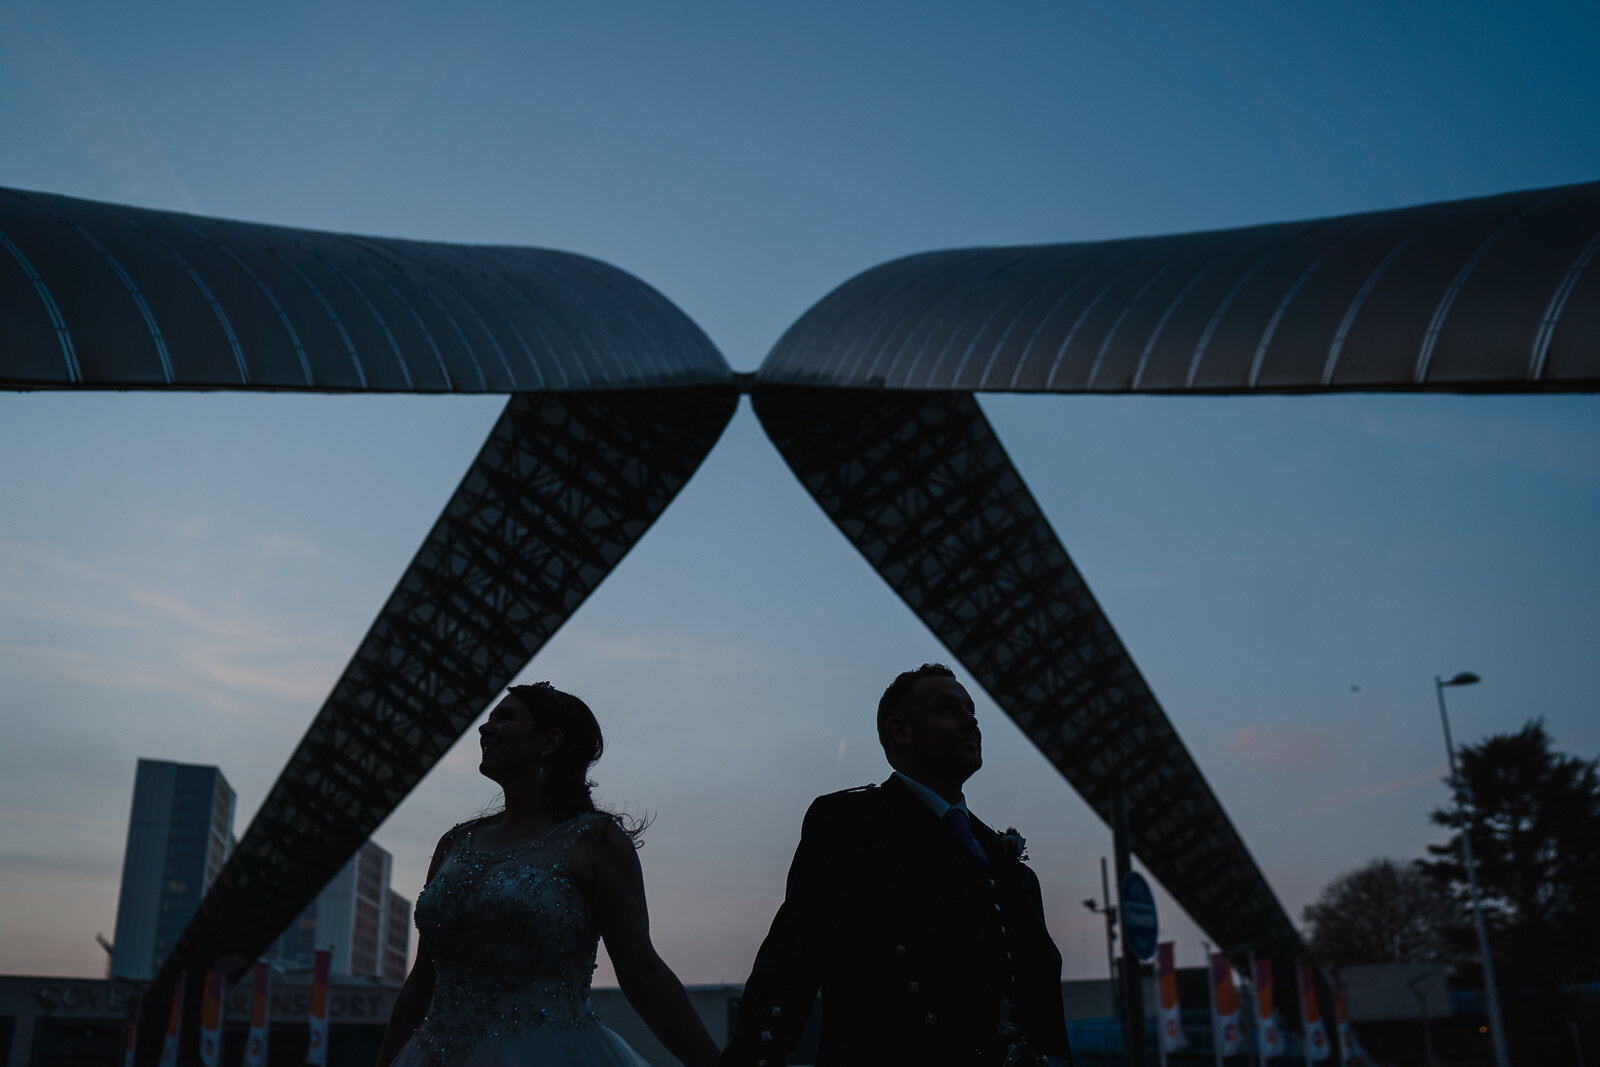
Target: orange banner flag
[(317, 1050), (211, 1020), (1269, 1035), (1171, 1021), (1225, 1000)]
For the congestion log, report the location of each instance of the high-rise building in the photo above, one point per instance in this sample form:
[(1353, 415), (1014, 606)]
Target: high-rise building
[(179, 834), (366, 924), (397, 937)]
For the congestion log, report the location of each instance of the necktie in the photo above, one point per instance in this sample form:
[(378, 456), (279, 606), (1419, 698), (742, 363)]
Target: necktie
[(956, 820)]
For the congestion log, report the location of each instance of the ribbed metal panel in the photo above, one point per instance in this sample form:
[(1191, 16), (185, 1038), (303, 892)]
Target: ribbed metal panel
[(103, 296), (1495, 294)]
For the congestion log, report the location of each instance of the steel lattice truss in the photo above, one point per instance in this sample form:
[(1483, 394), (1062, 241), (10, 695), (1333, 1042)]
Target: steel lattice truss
[(565, 485), (920, 484), (617, 396)]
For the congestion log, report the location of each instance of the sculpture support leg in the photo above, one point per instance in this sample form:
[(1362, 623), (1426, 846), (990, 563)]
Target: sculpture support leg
[(563, 488), (921, 486)]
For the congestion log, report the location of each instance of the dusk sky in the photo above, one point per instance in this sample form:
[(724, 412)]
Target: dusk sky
[(183, 576)]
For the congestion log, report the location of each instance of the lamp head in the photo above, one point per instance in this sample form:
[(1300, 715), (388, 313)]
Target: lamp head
[(1464, 678)]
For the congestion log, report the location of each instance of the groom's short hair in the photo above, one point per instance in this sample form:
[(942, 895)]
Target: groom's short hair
[(895, 695)]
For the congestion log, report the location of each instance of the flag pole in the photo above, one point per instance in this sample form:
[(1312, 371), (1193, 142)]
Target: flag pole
[(1161, 1028), (1305, 1023), (1211, 996), (1341, 1020), (1255, 1012)]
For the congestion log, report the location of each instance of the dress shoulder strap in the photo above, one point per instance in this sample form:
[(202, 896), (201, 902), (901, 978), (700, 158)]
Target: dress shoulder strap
[(583, 822), (452, 840)]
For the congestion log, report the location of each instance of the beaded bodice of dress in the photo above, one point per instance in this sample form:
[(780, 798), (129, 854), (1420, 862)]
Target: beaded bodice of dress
[(512, 940)]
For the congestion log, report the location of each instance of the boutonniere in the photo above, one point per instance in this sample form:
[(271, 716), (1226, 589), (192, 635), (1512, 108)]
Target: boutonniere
[(1013, 845)]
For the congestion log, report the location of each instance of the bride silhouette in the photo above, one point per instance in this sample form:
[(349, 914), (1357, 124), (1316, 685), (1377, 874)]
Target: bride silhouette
[(514, 907)]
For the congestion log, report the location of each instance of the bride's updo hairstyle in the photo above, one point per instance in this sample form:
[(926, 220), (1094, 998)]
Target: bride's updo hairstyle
[(568, 789)]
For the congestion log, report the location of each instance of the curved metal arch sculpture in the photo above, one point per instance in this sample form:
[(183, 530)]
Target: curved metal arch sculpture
[(101, 296), (1493, 294), (921, 485), (564, 487), (868, 398), (616, 397)]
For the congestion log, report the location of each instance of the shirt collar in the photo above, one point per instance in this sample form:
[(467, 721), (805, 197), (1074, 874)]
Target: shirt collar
[(936, 803)]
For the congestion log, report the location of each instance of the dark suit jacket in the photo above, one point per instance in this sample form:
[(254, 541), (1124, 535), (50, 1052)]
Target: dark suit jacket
[(907, 937)]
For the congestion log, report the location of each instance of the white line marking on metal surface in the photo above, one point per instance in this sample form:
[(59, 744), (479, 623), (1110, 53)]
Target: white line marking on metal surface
[(983, 327), (959, 264), (1355, 306), (1431, 338), (69, 354), (205, 291), (865, 341), (133, 290), (277, 308), (327, 305), (1061, 350), (1144, 357), (1558, 302), (1099, 357), (505, 313), (999, 345), (1222, 309)]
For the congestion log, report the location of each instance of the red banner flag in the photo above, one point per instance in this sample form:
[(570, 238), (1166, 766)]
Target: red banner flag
[(169, 1047), (1269, 1035), (317, 1050), (255, 1049), (1316, 1035), (211, 1020), (1171, 1022), (1225, 1007)]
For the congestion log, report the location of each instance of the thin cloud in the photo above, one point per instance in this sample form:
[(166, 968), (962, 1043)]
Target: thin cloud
[(58, 820), (107, 129), (43, 865), (91, 668), (225, 646), (190, 527), (285, 545), (306, 684), (1365, 791), (683, 653), (1285, 750), (58, 609)]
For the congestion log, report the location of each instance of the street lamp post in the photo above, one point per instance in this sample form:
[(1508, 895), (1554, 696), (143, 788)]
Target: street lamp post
[(1496, 1031), (1110, 913), (1422, 1006)]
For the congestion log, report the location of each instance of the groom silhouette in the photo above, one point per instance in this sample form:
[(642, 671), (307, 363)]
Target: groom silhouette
[(920, 926)]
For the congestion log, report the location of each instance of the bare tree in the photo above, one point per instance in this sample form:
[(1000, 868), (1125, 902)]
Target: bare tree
[(1384, 912)]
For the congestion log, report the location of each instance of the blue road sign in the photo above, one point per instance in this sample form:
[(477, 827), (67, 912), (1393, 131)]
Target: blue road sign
[(1138, 910)]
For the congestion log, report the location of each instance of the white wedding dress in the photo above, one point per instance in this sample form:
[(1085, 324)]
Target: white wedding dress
[(513, 948)]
